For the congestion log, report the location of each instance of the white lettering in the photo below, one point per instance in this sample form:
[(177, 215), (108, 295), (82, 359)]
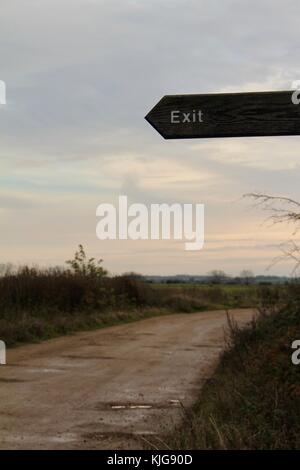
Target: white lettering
[(179, 117), (166, 221)]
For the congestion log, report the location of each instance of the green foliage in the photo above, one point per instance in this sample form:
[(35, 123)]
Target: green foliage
[(83, 266)]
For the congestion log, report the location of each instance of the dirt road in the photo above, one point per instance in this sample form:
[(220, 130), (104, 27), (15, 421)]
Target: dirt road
[(110, 388)]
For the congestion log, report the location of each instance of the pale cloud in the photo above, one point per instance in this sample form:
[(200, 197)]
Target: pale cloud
[(82, 74), (272, 154)]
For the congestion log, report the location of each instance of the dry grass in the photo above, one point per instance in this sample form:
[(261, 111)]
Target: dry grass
[(253, 399)]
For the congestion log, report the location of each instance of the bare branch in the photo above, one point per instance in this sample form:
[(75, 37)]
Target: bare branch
[(279, 215), (283, 210), (289, 251), (265, 198)]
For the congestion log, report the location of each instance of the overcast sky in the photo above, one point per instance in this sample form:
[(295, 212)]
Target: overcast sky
[(82, 74)]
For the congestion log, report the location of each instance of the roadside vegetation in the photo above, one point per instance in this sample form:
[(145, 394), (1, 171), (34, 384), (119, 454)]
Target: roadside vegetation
[(37, 304), (253, 399)]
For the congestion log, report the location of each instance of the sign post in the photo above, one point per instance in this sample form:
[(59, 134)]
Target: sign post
[(226, 115)]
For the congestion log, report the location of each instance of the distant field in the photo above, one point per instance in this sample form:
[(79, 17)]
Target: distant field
[(215, 295), (234, 288)]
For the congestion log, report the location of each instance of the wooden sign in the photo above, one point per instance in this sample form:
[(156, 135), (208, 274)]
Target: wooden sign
[(226, 115)]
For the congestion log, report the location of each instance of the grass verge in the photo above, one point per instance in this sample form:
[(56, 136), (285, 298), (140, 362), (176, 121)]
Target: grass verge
[(32, 329), (253, 399)]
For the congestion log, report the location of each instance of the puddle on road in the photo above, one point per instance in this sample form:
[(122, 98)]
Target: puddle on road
[(88, 357), (11, 381), (63, 438), (44, 370), (131, 407), (113, 435), (142, 406)]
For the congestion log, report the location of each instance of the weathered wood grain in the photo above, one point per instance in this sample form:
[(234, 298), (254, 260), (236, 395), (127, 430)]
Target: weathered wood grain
[(228, 115)]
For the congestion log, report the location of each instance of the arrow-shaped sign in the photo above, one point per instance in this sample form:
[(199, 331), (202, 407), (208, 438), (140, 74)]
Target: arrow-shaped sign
[(226, 115)]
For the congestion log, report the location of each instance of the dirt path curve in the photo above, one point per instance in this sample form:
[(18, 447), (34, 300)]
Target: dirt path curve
[(107, 388)]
